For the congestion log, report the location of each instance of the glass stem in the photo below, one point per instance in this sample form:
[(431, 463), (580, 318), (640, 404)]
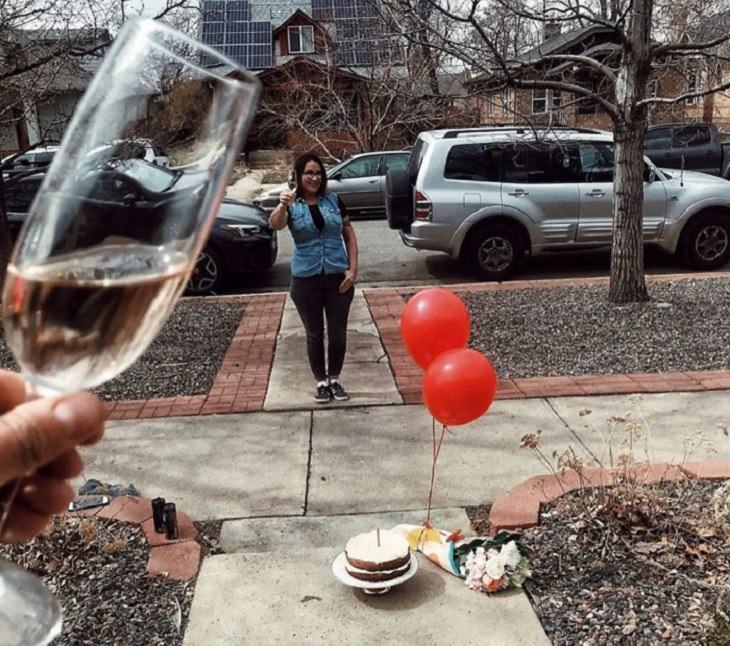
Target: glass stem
[(14, 487)]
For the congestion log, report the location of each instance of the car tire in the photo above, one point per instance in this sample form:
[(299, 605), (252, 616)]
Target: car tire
[(495, 251), (207, 275), (398, 202), (706, 241)]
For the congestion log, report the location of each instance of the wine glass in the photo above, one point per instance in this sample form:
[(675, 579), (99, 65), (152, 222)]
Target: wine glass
[(111, 239)]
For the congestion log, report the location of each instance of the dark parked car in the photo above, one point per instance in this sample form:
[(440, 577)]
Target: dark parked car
[(38, 158), (240, 241), (135, 192), (696, 145)]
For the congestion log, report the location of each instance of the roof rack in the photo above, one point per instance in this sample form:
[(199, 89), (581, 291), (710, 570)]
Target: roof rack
[(453, 134)]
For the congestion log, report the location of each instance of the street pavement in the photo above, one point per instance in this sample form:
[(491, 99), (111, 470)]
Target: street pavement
[(292, 483)]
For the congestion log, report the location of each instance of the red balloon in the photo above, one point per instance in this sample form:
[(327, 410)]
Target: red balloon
[(459, 386), (433, 321)]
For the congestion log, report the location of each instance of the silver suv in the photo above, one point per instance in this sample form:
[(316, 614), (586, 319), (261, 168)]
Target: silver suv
[(492, 195)]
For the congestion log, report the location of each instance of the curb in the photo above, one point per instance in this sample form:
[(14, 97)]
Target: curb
[(519, 508), (386, 306), (177, 559)]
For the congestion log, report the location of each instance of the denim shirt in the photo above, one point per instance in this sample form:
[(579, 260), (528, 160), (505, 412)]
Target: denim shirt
[(315, 251)]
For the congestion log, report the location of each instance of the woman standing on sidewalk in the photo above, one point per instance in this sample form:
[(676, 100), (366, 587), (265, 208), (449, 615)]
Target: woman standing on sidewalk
[(323, 268)]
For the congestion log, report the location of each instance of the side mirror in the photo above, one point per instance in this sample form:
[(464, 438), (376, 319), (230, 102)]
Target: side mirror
[(129, 199), (336, 176), (649, 174)]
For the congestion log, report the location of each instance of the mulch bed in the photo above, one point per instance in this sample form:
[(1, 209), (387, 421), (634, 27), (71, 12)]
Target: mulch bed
[(641, 566), (97, 568), (184, 358), (562, 331)]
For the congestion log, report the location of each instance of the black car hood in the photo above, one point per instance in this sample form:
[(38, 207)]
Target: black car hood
[(235, 212)]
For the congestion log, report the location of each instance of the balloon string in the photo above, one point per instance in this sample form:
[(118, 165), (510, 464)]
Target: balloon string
[(436, 452)]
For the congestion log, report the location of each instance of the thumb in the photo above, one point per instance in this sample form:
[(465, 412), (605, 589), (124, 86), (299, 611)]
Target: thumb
[(37, 432)]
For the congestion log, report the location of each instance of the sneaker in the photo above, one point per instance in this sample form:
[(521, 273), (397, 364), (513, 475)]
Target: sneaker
[(338, 392), (323, 394)]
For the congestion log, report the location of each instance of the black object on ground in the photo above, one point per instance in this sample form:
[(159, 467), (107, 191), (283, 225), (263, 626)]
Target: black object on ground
[(94, 487), (171, 531), (158, 514)]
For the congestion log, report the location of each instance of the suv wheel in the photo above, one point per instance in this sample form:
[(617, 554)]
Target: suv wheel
[(706, 243), (207, 274), (495, 251)]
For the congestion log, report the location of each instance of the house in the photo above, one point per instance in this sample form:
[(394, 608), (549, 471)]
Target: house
[(36, 105), (331, 73), (499, 104)]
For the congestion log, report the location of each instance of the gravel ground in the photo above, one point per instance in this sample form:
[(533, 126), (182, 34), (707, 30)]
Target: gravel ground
[(182, 360), (575, 331), (646, 569), (98, 570)]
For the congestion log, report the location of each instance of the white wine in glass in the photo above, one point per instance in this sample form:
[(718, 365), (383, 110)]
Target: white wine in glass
[(111, 238)]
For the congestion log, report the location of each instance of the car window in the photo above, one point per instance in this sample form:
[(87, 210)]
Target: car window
[(112, 188), (415, 159), (153, 178), (361, 167), (43, 158), (395, 162), (689, 136), (658, 138), (24, 160), (475, 162), (596, 161), (540, 163)]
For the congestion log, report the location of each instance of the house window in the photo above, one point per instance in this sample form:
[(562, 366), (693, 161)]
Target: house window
[(692, 86), (506, 102), (652, 89), (301, 39), (540, 100)]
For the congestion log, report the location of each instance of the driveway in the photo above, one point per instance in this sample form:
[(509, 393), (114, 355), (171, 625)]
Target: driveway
[(385, 260)]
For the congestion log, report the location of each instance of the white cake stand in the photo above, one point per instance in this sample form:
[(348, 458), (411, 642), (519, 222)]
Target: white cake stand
[(371, 587)]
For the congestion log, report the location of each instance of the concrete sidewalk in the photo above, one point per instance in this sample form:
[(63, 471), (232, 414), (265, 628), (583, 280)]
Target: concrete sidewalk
[(292, 483)]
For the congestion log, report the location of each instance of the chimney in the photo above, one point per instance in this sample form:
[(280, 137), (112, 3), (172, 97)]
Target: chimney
[(550, 30)]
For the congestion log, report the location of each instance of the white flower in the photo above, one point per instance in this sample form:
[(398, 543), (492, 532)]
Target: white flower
[(495, 567), (511, 554)]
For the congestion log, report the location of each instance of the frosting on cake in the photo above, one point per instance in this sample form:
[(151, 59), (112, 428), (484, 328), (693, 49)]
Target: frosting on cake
[(390, 557)]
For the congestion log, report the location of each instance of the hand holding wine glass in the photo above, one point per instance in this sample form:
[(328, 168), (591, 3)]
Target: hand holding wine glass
[(108, 247), (41, 437)]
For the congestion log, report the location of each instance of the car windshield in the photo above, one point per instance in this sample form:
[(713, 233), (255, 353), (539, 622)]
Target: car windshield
[(153, 178)]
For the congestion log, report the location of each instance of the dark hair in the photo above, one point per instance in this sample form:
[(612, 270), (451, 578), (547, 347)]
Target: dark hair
[(299, 165)]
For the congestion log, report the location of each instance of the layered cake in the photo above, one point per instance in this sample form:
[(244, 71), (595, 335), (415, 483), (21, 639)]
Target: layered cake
[(379, 555)]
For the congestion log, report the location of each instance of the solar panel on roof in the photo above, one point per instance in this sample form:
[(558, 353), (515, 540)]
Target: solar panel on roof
[(244, 29)]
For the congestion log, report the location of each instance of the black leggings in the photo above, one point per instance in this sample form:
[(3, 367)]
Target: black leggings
[(314, 297)]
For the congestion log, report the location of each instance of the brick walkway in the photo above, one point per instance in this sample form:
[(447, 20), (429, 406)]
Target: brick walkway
[(241, 383), (243, 378), (386, 306)]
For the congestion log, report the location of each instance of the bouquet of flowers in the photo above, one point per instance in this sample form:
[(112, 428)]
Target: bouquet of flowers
[(492, 564), (487, 564)]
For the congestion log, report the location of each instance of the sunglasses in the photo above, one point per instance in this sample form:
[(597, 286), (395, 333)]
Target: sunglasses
[(312, 173)]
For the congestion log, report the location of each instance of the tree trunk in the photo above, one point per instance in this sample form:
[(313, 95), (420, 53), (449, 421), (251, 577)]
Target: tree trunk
[(627, 283)]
